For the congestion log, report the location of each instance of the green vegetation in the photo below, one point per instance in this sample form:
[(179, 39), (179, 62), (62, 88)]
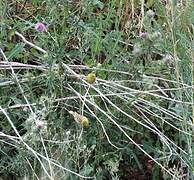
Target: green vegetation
[(98, 89)]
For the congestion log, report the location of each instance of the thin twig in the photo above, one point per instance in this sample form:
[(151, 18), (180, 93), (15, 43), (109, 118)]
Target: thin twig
[(29, 43)]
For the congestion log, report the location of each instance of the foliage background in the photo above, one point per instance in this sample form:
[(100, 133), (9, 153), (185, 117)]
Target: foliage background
[(140, 106)]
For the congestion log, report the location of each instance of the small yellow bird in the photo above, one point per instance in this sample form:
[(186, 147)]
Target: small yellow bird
[(83, 120), (91, 77)]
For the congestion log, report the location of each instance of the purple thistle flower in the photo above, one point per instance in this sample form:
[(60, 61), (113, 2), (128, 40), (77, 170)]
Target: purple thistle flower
[(40, 27), (142, 34)]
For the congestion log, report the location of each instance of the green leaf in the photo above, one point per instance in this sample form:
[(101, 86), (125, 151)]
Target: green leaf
[(90, 62), (17, 49), (86, 170), (149, 3), (99, 4)]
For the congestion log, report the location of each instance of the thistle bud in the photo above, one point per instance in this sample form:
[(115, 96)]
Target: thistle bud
[(155, 36), (40, 124), (98, 65), (150, 13), (137, 50)]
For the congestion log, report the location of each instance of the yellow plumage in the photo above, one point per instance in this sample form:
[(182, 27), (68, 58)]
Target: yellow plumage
[(91, 77), (83, 120)]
